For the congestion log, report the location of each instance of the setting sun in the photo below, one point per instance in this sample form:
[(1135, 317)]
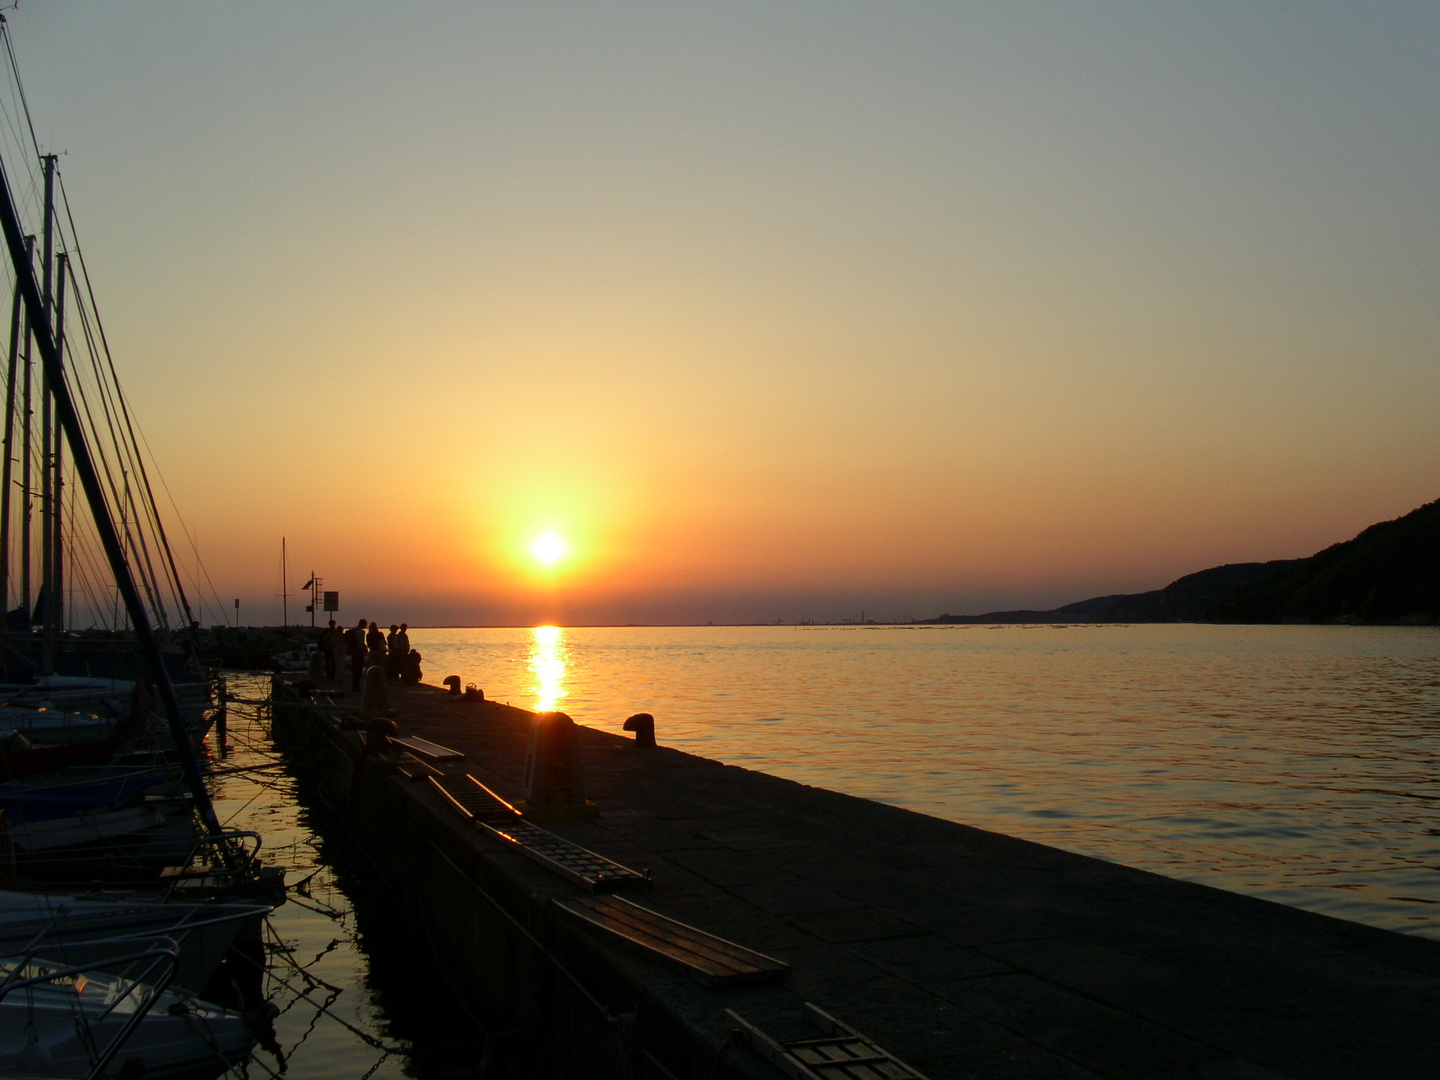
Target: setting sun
[(548, 548)]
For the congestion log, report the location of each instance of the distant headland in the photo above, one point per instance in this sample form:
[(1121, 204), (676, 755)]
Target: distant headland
[(1389, 574)]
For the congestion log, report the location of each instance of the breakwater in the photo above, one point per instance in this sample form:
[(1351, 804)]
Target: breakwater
[(962, 952)]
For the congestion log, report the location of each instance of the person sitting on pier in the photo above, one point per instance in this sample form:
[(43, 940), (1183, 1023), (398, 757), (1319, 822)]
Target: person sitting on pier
[(410, 669)]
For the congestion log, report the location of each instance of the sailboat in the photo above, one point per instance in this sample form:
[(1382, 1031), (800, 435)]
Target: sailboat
[(84, 979), (77, 428), (63, 927), (73, 1019)]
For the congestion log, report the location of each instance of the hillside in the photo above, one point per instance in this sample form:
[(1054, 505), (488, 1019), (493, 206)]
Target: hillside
[(1390, 573), (1186, 599)]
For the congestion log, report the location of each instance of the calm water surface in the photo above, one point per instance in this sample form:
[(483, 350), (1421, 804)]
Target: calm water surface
[(356, 1001), (1296, 763)]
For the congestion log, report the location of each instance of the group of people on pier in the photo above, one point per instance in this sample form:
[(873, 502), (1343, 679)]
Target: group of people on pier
[(364, 646)]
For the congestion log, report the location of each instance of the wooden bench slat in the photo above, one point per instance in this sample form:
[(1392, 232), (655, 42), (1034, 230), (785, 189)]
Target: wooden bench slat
[(716, 962), (440, 757), (702, 956), (676, 935)]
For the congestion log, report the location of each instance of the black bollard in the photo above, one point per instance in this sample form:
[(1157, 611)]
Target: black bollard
[(554, 787), (643, 724), (453, 682)]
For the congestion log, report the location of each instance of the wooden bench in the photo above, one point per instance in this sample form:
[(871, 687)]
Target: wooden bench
[(704, 957), (450, 762)]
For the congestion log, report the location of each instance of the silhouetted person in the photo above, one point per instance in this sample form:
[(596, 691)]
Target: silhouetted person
[(355, 644), (326, 646), (399, 644), (392, 657), (410, 669)]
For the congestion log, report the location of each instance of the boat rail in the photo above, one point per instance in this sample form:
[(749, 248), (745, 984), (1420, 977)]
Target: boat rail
[(163, 954), (231, 847)]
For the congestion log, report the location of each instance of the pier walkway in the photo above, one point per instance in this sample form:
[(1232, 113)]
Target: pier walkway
[(964, 953)]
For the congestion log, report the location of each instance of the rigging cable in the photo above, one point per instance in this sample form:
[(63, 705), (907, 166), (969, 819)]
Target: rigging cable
[(124, 407)]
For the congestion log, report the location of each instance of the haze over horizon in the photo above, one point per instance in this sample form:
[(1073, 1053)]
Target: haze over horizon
[(762, 311)]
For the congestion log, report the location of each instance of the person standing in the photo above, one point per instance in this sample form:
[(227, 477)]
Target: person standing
[(326, 645), (355, 643), (399, 643), (375, 640)]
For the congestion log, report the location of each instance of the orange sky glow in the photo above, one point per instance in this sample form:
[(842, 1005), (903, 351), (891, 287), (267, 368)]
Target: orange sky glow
[(764, 313)]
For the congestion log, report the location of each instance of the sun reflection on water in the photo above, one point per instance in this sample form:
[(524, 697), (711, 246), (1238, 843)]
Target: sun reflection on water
[(548, 654)]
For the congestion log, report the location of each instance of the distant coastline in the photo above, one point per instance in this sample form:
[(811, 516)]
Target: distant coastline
[(1387, 575)]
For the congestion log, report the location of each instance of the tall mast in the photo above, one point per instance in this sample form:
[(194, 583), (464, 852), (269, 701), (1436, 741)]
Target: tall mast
[(47, 435), (6, 470), (57, 517), (125, 526), (284, 588), (69, 422), (27, 499)]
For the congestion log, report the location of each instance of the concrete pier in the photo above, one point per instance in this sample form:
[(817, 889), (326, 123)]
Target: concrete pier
[(964, 953)]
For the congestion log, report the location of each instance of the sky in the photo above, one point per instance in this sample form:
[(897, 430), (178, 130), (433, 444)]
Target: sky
[(765, 311)]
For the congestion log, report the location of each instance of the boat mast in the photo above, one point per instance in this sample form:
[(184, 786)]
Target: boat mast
[(284, 588), (125, 528), (27, 500), (69, 422), (56, 602), (7, 469), (47, 435)]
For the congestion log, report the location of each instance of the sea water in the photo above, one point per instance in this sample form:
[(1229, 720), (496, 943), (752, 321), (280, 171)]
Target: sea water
[(1298, 763), (355, 997)]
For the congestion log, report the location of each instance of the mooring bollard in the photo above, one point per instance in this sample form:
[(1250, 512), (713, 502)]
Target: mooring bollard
[(643, 724), (374, 703), (453, 682), (554, 787), (377, 735)]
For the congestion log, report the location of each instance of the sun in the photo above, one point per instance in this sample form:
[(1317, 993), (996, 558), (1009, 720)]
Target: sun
[(548, 548)]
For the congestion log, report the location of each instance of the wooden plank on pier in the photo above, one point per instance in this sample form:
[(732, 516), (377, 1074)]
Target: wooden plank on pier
[(450, 762), (704, 957), (840, 1053), (493, 815)]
